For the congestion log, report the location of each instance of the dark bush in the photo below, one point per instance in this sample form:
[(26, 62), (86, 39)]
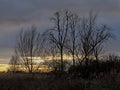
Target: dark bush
[(94, 69)]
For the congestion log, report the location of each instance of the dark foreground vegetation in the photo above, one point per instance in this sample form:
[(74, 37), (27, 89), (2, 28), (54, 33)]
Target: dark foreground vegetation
[(50, 82), (95, 75)]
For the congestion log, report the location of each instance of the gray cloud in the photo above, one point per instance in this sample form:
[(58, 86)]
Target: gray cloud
[(5, 54), (25, 10), (15, 14)]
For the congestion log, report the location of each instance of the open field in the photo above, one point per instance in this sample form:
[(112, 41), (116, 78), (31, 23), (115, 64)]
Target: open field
[(50, 82)]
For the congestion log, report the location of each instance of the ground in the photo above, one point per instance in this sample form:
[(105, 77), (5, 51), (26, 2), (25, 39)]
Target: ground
[(45, 81)]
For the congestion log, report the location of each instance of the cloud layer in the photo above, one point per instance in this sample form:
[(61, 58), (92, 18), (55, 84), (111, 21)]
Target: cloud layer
[(15, 14)]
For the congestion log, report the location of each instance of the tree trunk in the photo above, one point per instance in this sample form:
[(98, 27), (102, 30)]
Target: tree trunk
[(62, 66), (73, 58)]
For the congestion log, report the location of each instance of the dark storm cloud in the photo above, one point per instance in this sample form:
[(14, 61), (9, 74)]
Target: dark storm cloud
[(15, 14)]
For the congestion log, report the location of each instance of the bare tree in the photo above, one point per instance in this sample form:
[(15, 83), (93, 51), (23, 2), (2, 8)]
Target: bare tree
[(73, 35), (28, 47), (14, 64), (86, 33), (58, 35), (92, 37)]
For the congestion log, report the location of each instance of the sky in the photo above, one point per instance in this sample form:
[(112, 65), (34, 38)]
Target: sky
[(17, 14)]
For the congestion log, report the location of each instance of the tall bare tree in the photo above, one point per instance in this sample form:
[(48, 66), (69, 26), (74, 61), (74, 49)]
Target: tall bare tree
[(28, 47), (73, 35), (92, 37), (58, 35)]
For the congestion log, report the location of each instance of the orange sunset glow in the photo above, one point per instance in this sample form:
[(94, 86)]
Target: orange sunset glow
[(5, 67)]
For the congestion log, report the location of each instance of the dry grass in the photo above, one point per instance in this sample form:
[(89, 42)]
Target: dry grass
[(49, 82)]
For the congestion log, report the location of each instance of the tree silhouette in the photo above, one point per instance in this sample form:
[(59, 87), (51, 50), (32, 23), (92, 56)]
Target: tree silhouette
[(58, 34), (92, 37), (72, 45), (28, 47), (14, 64)]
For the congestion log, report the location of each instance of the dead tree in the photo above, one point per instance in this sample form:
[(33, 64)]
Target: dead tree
[(73, 35), (28, 46), (86, 33), (58, 34), (92, 37)]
